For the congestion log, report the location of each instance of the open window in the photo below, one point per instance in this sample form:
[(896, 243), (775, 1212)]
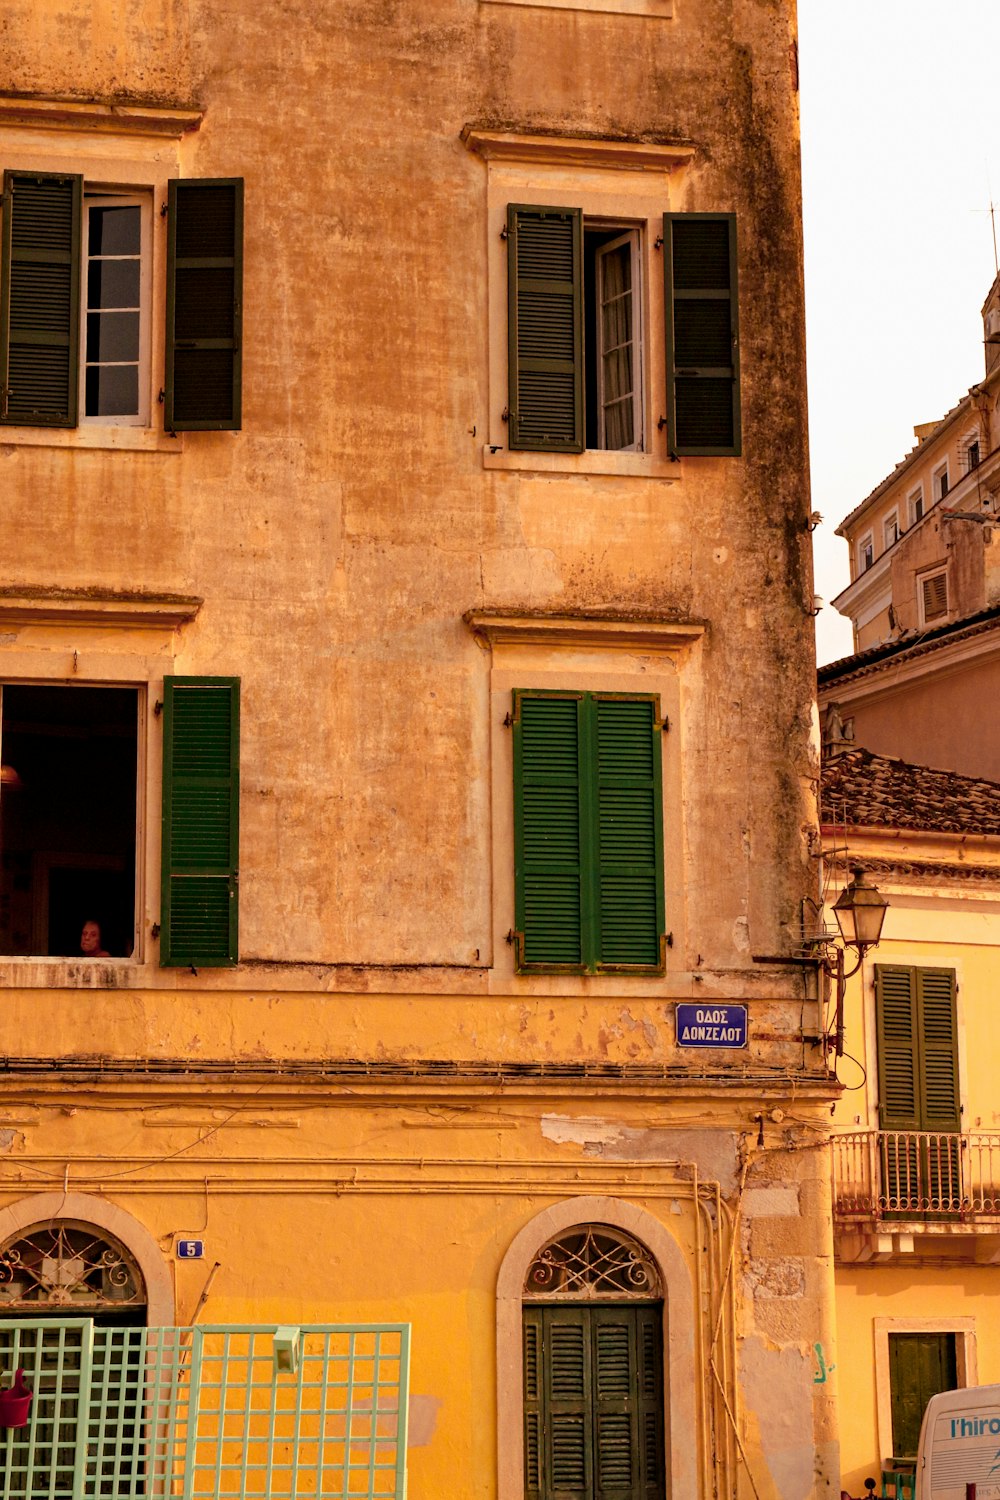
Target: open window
[(68, 814), (76, 300)]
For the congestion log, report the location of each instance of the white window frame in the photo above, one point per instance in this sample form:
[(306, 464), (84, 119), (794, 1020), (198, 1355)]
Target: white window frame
[(615, 184), (866, 547), (915, 501), (890, 524), (94, 196), (632, 238), (940, 473), (964, 1330), (922, 579)]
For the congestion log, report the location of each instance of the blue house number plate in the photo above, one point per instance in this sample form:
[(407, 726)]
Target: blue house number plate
[(190, 1249), (711, 1025)]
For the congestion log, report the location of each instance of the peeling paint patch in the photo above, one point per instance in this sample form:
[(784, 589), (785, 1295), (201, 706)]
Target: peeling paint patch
[(713, 1152), (423, 1415), (781, 1277), (777, 1387), (8, 1138)]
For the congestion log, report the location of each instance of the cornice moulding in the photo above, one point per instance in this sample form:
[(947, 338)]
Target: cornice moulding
[(581, 630), (90, 115), (576, 151), (64, 607)]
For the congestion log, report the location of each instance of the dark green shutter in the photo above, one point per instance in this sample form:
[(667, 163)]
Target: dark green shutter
[(898, 1029), (702, 335), (593, 1407), (918, 1089), (40, 299), (545, 328), (203, 383), (588, 832), (569, 1437), (629, 831), (201, 755), (548, 829)]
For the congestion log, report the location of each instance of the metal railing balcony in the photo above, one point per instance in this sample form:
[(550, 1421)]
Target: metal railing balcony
[(935, 1176)]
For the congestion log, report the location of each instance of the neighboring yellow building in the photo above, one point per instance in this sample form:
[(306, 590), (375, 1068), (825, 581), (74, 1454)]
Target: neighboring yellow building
[(407, 698), (916, 1156)]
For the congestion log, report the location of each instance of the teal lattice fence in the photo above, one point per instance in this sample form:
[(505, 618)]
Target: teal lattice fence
[(213, 1413)]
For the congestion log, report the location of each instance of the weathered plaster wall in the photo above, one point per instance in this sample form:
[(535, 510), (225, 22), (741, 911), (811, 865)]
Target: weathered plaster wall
[(339, 538)]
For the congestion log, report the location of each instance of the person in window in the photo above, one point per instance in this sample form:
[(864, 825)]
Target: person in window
[(91, 945)]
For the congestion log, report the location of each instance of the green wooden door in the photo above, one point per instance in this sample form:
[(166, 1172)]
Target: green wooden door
[(920, 1365), (593, 1402)]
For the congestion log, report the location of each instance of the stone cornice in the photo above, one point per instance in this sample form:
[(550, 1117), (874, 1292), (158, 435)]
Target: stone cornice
[(92, 115), (577, 151), (629, 633), (42, 606)]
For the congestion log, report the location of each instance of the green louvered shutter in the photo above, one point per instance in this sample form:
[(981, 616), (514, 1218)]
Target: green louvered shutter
[(702, 335), (40, 299), (201, 753), (593, 1402), (545, 328), (203, 383), (534, 1404), (569, 1431), (898, 1026), (649, 1402), (629, 832), (548, 831), (940, 1108), (920, 1366)]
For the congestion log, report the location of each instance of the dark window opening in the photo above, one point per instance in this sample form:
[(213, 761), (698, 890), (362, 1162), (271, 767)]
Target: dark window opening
[(921, 1365), (972, 457), (67, 819)]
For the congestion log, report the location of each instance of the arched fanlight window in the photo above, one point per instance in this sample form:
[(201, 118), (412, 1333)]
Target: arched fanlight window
[(592, 1263), (67, 1264)]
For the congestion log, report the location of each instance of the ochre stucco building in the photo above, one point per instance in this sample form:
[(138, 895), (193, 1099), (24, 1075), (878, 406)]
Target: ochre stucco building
[(407, 667)]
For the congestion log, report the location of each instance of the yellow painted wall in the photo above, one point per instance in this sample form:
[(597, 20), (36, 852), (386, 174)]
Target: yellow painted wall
[(931, 922)]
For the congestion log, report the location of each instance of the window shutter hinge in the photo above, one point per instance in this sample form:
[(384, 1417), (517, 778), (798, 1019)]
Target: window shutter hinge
[(505, 414), (505, 233), (658, 242), (162, 396), (155, 930), (163, 210), (508, 721), (510, 938), (158, 707), (669, 940), (664, 724), (661, 423)]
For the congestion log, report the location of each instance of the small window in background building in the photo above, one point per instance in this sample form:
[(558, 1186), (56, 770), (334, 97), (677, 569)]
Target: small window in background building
[(916, 506), (866, 553), (972, 456), (890, 530), (67, 820), (941, 483), (934, 596)]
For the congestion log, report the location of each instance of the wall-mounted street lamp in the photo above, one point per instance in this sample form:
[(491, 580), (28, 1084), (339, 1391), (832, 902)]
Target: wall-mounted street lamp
[(860, 911)]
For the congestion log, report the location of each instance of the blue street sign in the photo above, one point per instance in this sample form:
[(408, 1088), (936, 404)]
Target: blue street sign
[(190, 1249), (711, 1025)]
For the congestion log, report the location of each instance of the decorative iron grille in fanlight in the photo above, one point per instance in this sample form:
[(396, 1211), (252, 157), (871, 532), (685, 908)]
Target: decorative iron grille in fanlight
[(68, 1265), (593, 1262)]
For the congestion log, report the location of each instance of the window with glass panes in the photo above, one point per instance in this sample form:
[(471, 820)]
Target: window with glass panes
[(116, 310)]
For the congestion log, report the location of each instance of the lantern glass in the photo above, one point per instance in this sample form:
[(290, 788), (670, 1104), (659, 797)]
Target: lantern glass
[(860, 911)]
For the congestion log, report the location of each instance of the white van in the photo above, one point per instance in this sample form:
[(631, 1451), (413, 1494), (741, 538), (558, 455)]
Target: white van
[(960, 1445)]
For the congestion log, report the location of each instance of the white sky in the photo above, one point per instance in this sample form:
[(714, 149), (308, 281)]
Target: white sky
[(900, 150)]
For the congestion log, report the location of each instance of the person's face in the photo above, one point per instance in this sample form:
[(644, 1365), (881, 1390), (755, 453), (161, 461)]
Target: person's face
[(90, 938)]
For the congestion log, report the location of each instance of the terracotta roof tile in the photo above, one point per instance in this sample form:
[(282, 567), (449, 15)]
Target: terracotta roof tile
[(878, 791)]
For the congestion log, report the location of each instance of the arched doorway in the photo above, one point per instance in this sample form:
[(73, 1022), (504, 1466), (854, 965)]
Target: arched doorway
[(592, 1318), (613, 1274), (73, 1315)]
